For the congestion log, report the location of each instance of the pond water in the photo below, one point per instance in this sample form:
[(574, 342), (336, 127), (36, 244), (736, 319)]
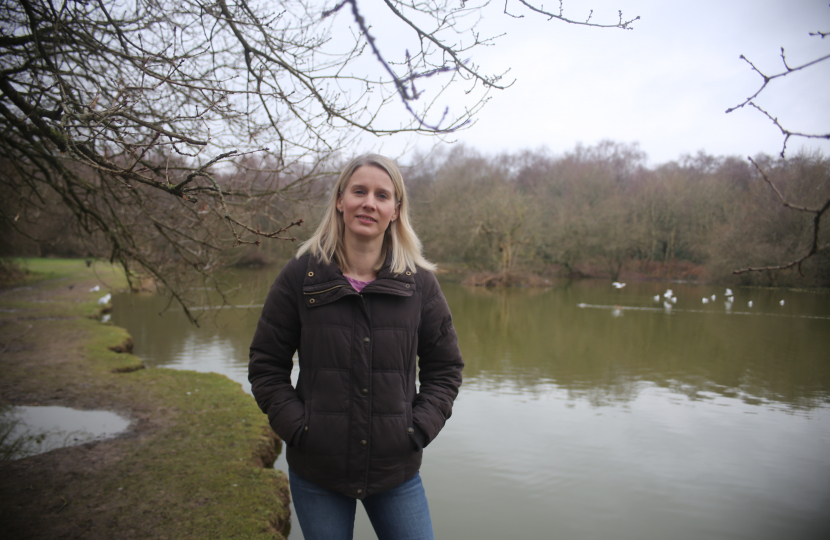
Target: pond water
[(593, 412), (27, 431)]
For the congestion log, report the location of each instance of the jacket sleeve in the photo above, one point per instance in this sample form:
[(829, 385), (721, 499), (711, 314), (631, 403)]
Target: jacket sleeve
[(439, 362), (271, 356)]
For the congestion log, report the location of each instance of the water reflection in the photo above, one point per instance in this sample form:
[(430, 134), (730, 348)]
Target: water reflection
[(521, 340), (28, 431), (622, 418), (659, 465), (220, 344)]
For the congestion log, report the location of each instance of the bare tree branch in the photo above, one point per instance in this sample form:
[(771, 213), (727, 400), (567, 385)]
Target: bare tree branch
[(818, 213), (768, 79), (621, 22), (170, 131)]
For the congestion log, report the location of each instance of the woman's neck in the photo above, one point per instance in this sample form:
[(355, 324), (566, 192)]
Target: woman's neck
[(362, 259)]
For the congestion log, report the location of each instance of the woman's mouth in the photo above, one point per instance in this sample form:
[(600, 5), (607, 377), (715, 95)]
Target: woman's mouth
[(366, 219)]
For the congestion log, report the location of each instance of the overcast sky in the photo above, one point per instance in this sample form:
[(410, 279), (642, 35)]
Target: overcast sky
[(666, 84)]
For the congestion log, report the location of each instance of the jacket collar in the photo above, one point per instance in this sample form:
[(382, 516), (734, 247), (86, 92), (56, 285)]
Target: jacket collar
[(327, 283)]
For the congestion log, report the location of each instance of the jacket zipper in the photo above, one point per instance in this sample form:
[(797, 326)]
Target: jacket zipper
[(320, 292)]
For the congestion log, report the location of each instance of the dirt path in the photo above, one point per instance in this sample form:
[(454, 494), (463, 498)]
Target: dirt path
[(195, 463)]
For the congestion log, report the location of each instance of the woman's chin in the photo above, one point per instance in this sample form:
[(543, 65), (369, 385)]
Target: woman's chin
[(364, 233)]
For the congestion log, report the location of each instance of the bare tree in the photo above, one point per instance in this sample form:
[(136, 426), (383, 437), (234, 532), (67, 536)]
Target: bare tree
[(819, 210), (169, 128)]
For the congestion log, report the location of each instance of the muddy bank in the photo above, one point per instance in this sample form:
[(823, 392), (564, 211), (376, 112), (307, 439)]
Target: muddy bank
[(506, 279), (195, 462), (645, 271)]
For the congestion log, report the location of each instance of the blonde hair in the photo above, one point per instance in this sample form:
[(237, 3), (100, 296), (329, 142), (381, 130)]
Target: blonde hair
[(327, 241)]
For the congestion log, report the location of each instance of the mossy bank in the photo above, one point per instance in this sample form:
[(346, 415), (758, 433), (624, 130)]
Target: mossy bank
[(195, 462)]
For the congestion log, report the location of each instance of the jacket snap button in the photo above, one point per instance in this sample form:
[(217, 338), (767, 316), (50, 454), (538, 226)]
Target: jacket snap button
[(363, 442), (311, 274), (359, 491), (305, 428), (365, 391), (311, 301), (407, 285), (410, 431), (408, 273), (365, 340)]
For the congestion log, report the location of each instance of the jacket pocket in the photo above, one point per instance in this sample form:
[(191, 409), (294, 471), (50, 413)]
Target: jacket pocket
[(324, 433), (300, 438), (415, 441), (390, 434)]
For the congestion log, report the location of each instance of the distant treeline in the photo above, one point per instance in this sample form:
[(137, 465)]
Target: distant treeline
[(600, 211), (597, 211)]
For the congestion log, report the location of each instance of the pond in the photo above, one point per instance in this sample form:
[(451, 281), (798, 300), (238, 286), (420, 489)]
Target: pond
[(589, 411)]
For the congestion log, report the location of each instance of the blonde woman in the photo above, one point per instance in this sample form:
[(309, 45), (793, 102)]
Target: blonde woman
[(361, 306)]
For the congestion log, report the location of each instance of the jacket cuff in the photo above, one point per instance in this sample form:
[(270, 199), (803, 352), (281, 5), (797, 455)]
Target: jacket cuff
[(419, 438), (295, 438)]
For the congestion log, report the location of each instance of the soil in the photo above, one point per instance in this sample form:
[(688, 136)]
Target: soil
[(196, 461)]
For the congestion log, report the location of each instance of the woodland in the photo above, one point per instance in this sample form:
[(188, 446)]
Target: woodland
[(180, 138), (594, 211)]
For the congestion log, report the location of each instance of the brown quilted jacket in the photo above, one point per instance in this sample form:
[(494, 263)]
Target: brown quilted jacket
[(355, 423)]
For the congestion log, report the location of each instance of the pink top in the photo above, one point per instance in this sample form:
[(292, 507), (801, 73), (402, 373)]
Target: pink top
[(357, 284)]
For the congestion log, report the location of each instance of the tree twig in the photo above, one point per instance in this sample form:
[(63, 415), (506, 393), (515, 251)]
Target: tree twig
[(818, 213)]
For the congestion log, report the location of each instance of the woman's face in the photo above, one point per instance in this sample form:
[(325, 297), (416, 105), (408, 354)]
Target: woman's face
[(368, 204)]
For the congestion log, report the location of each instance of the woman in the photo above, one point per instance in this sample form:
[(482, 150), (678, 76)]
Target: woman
[(360, 304)]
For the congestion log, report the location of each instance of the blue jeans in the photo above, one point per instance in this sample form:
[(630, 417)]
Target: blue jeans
[(400, 513)]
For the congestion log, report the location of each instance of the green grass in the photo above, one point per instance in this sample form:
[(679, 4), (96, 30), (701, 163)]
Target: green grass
[(198, 463)]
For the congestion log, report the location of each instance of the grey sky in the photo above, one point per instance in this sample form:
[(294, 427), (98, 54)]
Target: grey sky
[(666, 84)]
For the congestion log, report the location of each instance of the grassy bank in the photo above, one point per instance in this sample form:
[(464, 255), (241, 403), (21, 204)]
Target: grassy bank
[(195, 463)]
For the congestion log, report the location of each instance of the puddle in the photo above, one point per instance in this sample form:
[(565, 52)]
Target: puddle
[(27, 431)]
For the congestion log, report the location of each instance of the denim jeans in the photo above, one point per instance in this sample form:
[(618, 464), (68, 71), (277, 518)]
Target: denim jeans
[(400, 513)]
